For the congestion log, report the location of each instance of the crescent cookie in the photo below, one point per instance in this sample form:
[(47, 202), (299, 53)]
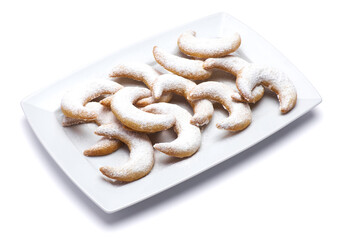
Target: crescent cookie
[(203, 109), (188, 138), (140, 72), (103, 147), (106, 101), (208, 48), (188, 68), (233, 65), (240, 115), (122, 106), (103, 116), (74, 101), (141, 159), (277, 81)]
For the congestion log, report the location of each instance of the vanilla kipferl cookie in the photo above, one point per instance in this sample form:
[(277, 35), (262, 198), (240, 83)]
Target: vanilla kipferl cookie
[(122, 106), (106, 101), (251, 77), (272, 78), (188, 68), (231, 64), (203, 109), (188, 138), (240, 115), (234, 65), (103, 147), (140, 72), (190, 45), (74, 101), (141, 159)]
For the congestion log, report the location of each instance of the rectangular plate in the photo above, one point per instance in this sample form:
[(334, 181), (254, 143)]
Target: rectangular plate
[(66, 145)]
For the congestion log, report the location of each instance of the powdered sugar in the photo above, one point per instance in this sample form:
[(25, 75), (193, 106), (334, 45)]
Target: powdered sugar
[(141, 159), (103, 116), (140, 72), (72, 104), (211, 88), (203, 109), (188, 140), (137, 71), (172, 83), (208, 48), (191, 69), (134, 118), (253, 75), (234, 65), (231, 64), (240, 115)]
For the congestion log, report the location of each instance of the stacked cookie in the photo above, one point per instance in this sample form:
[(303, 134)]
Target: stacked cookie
[(127, 114)]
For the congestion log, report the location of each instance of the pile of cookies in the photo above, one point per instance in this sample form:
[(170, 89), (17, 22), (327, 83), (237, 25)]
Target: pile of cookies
[(127, 114)]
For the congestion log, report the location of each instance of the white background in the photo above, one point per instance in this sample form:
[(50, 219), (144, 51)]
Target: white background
[(293, 185)]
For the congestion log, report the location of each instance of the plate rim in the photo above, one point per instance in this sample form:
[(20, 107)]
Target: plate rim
[(26, 103)]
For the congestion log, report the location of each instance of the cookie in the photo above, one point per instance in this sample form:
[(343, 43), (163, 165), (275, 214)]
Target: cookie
[(187, 68), (190, 45), (233, 65), (103, 147), (122, 106), (143, 73), (188, 138), (106, 101), (141, 159), (203, 109), (240, 115), (277, 81), (74, 101)]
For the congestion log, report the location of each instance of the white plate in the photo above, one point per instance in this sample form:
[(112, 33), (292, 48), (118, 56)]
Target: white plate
[(66, 145)]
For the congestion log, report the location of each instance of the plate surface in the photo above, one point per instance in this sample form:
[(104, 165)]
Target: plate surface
[(66, 145)]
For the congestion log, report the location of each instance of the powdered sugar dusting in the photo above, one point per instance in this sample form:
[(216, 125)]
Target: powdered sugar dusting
[(134, 118), (140, 72), (203, 109), (188, 138), (234, 65), (277, 81), (172, 83), (141, 158), (214, 90), (191, 69), (203, 112), (72, 104), (231, 64), (104, 116), (208, 48), (137, 71), (240, 115)]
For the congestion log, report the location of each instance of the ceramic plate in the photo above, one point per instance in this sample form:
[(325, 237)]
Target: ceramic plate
[(66, 145)]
